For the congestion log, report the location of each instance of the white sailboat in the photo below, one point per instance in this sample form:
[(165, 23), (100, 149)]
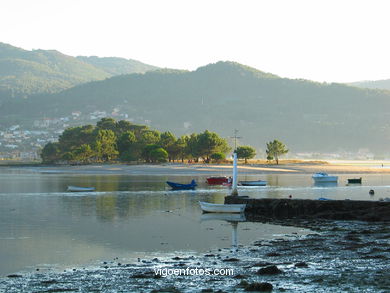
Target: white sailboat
[(225, 208)]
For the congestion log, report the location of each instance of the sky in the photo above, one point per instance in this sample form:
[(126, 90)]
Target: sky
[(326, 41)]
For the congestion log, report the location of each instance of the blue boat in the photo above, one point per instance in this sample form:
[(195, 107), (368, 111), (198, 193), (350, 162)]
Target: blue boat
[(178, 186)]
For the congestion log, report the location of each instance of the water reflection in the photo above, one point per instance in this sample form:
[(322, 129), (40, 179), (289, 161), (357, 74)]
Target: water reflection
[(40, 223), (325, 184), (233, 219)]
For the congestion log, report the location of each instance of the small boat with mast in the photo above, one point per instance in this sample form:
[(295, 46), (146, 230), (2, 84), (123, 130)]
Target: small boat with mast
[(226, 208)]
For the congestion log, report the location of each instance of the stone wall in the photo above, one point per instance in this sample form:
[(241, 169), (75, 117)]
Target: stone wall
[(305, 208)]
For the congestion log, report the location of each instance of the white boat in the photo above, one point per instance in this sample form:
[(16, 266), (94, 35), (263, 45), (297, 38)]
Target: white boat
[(253, 183), (80, 189), (322, 177), (221, 208)]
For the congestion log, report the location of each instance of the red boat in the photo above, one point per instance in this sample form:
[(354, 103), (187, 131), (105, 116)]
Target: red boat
[(217, 180)]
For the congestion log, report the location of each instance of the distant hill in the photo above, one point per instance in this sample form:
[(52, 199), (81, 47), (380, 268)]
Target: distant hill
[(373, 84), (305, 115), (117, 66), (24, 73)]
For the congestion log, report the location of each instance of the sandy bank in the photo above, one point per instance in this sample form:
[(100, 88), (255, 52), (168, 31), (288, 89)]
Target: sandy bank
[(205, 169)]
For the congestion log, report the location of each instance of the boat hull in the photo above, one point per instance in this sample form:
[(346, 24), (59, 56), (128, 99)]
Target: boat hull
[(253, 183), (221, 208), (80, 189), (179, 186), (355, 181), (324, 178), (217, 180)]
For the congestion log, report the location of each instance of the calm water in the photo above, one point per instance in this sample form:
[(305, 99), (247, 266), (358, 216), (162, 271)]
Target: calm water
[(42, 226)]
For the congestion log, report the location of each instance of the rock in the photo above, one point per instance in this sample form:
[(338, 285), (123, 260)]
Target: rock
[(165, 290), (301, 265), (270, 270), (259, 287), (232, 259), (144, 275), (49, 282), (273, 254), (62, 290), (243, 284), (14, 276), (262, 264)]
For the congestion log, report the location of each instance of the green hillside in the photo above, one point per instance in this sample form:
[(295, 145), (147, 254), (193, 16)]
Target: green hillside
[(307, 116), (117, 66), (24, 73), (373, 84)]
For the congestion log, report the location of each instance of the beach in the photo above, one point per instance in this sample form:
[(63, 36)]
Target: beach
[(302, 167)]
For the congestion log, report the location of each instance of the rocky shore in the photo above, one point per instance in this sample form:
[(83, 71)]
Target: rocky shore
[(265, 208), (339, 256)]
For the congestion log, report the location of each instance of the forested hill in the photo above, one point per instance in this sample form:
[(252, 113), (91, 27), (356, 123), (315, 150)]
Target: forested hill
[(373, 84), (117, 66), (23, 73), (305, 115)]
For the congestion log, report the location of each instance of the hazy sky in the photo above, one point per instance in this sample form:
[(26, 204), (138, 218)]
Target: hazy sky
[(320, 40)]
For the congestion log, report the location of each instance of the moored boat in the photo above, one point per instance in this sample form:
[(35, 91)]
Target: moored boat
[(221, 208), (322, 177), (180, 186), (355, 180), (253, 183), (217, 180), (80, 189)]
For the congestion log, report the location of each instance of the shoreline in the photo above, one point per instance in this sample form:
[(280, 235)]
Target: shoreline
[(209, 169), (339, 256)]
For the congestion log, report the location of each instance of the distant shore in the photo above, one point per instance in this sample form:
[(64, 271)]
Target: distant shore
[(285, 167)]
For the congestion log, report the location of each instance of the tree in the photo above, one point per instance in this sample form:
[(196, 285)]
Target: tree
[(82, 154), (218, 157), (168, 143), (128, 147), (209, 143), (147, 150), (245, 152), (105, 145), (158, 155), (192, 147), (181, 147), (76, 136), (275, 149), (51, 152), (149, 137), (107, 124), (123, 126)]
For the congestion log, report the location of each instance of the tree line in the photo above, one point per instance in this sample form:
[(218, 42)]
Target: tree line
[(112, 140), (122, 140)]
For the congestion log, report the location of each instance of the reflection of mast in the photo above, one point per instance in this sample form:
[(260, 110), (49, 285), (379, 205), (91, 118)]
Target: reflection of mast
[(233, 219)]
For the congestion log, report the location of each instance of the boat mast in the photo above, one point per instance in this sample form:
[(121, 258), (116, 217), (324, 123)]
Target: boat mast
[(234, 183)]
